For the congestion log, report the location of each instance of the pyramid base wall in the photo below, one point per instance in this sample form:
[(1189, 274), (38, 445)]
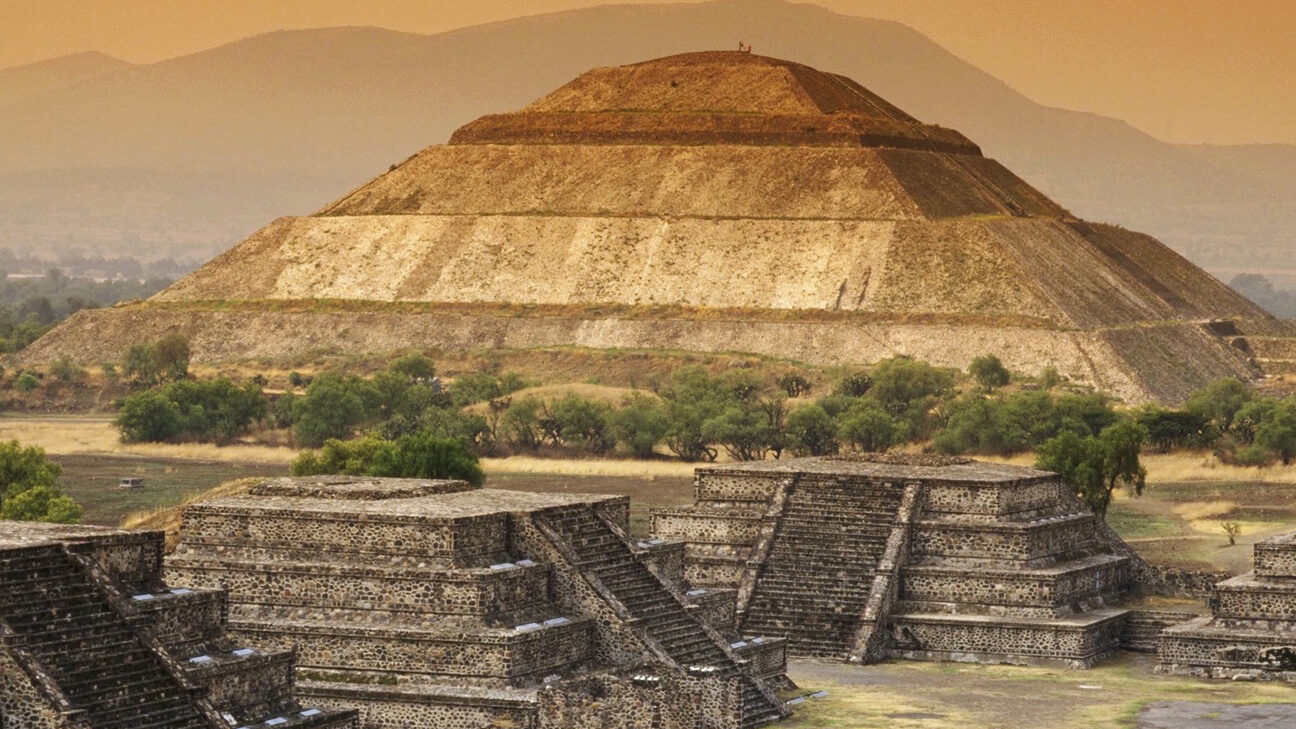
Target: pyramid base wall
[(1166, 364), (1066, 643)]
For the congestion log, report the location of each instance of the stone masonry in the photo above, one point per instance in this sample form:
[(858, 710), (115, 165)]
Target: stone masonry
[(438, 604), (92, 638), (911, 556), (1251, 632)]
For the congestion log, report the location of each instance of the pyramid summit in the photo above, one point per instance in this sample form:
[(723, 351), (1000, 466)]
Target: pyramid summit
[(713, 202)]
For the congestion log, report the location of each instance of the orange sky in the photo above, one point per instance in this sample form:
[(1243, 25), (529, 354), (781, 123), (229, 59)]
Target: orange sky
[(1184, 70)]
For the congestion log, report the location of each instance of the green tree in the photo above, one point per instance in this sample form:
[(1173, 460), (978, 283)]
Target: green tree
[(989, 372), (171, 353), (1220, 401), (26, 382), (640, 423), (584, 423), (416, 367), (1277, 433), (148, 417), (478, 387), (1171, 429), (27, 487), (692, 398), (811, 431), (332, 407), (1247, 420), (1095, 466), (909, 389), (867, 426), (519, 425), (140, 366), (743, 429)]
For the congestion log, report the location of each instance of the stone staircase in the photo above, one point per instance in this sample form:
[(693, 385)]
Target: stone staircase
[(57, 615), (1143, 628), (658, 613), (816, 581)]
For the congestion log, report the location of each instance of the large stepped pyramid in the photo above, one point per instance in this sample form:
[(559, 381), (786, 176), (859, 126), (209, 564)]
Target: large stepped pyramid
[(91, 638), (911, 556), (716, 202), (436, 603)]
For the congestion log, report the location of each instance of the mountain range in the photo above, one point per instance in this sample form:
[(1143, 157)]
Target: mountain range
[(185, 156)]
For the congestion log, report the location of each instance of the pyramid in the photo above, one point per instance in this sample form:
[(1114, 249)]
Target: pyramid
[(714, 202)]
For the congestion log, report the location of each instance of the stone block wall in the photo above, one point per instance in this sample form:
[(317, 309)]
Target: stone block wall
[(645, 698), (1251, 632)]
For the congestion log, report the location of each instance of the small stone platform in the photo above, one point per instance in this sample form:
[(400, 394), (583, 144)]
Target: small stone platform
[(1251, 632), (438, 604), (92, 638), (911, 556)]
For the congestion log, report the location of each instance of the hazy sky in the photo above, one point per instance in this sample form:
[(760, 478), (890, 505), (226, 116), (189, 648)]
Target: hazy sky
[(1184, 70)]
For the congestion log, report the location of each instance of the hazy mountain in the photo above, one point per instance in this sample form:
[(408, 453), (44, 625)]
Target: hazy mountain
[(19, 83), (194, 152)]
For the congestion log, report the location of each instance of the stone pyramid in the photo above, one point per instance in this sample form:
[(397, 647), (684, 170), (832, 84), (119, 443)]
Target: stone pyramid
[(717, 201)]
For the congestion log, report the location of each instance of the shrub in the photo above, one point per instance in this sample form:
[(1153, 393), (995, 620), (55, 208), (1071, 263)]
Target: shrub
[(296, 379), (1232, 530), (64, 369), (109, 371), (455, 424), (424, 455), (418, 455), (27, 487), (855, 384), (26, 382), (794, 385), (213, 409), (989, 372), (811, 431), (640, 423), (1049, 377)]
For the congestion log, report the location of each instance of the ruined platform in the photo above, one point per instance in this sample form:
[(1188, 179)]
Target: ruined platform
[(1251, 632), (912, 556), (91, 637), (438, 604)]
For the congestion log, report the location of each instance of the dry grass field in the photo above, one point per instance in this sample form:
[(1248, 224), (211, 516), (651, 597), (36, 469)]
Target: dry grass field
[(915, 695), (1178, 520)]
